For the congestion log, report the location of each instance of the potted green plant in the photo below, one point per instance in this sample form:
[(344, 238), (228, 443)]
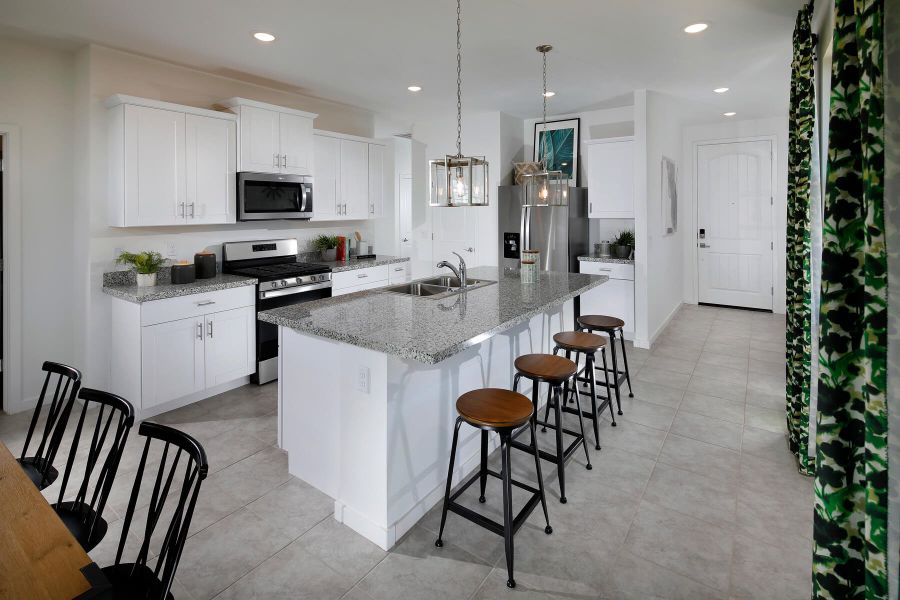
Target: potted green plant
[(327, 246), (624, 243), (145, 264)]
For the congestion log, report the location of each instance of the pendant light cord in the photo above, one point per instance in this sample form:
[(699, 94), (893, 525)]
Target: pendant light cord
[(459, 79)]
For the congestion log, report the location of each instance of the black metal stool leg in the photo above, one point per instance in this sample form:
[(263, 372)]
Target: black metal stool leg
[(439, 542), (560, 450), (581, 424), (608, 391), (589, 369), (625, 361), (507, 507), (612, 346), (540, 478), (484, 460)]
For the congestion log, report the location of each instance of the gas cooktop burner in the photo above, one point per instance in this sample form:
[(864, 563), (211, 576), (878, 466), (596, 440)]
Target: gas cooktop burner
[(278, 271)]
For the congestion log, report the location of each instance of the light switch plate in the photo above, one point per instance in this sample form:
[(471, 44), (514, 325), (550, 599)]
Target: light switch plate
[(363, 380), (171, 252)]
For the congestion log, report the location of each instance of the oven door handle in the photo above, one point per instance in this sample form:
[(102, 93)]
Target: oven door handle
[(299, 289)]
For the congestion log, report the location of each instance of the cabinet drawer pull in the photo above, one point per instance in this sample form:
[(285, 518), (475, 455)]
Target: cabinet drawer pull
[(362, 276), (604, 269), (206, 303), (399, 269)]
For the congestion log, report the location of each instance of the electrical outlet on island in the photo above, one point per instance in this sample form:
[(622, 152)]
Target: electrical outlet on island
[(362, 383)]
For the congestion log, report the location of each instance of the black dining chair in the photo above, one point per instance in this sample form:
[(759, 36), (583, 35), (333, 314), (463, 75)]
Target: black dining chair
[(83, 515), (137, 579), (39, 466)]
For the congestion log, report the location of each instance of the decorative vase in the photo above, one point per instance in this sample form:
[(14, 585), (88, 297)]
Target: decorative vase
[(329, 255), (146, 279), (623, 251)]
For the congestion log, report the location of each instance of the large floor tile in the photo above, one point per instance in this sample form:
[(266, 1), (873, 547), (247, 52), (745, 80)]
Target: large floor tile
[(663, 377), (657, 394), (645, 413), (700, 457), (678, 365), (224, 552), (763, 443), (712, 406), (766, 418), (707, 429), (683, 544), (788, 573), (346, 552), (295, 507), (706, 498), (722, 373), (632, 437), (722, 360), (728, 390), (624, 471), (633, 578)]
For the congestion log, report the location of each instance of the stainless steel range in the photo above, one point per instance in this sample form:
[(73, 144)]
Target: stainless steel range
[(282, 281)]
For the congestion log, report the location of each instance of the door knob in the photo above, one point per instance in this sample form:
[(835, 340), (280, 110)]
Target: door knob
[(702, 245), (470, 249), (405, 240)]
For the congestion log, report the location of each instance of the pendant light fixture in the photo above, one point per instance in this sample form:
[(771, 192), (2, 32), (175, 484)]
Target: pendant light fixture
[(459, 180), (546, 187)]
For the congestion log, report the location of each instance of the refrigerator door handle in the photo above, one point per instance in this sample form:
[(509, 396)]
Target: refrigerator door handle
[(526, 230)]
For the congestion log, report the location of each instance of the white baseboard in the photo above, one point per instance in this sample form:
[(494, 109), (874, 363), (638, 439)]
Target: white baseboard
[(664, 324), (185, 400), (11, 408)]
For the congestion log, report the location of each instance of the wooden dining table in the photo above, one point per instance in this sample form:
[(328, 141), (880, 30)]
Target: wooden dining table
[(39, 557)]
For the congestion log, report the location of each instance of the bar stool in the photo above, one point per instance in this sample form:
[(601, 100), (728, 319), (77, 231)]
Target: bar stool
[(588, 344), (503, 411), (612, 327), (556, 371)]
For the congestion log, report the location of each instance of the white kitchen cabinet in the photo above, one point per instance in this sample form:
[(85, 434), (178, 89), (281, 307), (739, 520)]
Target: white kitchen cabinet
[(171, 352), (376, 180), (399, 272), (615, 297), (273, 139), (326, 182), (172, 361), (610, 170), (229, 351), (169, 164), (211, 160), (354, 179)]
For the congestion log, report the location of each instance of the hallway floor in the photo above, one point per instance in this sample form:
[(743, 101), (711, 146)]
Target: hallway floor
[(694, 495)]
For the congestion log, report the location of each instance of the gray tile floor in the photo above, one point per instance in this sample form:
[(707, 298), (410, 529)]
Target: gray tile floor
[(694, 495)]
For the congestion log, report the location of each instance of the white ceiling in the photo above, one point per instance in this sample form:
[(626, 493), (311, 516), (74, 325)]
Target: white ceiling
[(366, 52)]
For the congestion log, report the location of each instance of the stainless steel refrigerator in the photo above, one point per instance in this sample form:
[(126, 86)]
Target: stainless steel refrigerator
[(561, 233)]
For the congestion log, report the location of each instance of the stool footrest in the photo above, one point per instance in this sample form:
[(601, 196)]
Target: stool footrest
[(490, 524), (621, 372), (550, 456)]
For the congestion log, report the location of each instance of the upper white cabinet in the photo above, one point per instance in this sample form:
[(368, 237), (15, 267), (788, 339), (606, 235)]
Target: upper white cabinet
[(273, 139), (348, 177), (611, 178), (169, 164)]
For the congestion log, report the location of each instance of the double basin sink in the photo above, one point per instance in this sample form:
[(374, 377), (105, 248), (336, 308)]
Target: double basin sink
[(437, 287)]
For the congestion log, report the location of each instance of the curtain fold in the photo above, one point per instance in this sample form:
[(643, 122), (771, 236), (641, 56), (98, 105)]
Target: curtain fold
[(850, 535), (798, 271)]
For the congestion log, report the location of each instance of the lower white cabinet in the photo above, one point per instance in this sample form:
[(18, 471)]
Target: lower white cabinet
[(357, 280), (399, 272), (615, 297), (182, 348)]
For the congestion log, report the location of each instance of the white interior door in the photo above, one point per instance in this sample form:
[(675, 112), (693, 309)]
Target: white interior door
[(735, 225), (404, 193)]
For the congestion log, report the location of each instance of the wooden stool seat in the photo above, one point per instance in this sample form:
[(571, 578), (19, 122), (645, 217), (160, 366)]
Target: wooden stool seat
[(579, 341), (546, 367), (600, 322), (494, 408)]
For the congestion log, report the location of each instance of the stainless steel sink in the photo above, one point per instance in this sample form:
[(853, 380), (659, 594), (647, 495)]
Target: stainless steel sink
[(436, 287), (449, 281)]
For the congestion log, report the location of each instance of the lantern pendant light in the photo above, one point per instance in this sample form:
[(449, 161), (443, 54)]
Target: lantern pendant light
[(546, 187), (459, 180)]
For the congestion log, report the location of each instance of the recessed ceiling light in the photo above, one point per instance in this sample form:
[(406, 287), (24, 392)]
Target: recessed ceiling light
[(415, 88), (549, 94), (720, 90), (264, 37), (696, 28), (729, 114)]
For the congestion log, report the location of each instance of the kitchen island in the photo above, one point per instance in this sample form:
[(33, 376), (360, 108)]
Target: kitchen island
[(368, 384)]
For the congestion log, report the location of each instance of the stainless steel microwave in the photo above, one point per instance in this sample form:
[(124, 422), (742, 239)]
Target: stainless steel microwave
[(274, 196)]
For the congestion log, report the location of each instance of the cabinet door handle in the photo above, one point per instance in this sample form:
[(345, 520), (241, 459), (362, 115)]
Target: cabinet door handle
[(199, 330), (275, 159), (284, 160), (209, 328), (181, 209), (192, 210), (206, 303)]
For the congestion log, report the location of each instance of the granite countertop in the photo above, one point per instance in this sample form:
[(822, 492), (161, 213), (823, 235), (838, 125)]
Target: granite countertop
[(431, 330), (606, 259), (365, 263), (165, 289)]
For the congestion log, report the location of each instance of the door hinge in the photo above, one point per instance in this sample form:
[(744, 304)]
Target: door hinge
[(771, 245), (772, 290), (771, 201)]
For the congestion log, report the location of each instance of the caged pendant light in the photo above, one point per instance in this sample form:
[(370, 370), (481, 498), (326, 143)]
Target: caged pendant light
[(459, 180), (545, 188)]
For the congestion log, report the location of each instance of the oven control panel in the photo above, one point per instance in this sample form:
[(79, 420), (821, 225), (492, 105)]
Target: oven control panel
[(277, 284)]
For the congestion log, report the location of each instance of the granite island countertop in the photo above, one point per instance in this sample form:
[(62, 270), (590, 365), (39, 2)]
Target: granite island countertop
[(364, 263), (606, 259), (431, 330), (166, 289)]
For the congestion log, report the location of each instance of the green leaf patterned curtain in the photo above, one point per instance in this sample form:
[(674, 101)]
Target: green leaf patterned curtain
[(798, 269), (850, 535)]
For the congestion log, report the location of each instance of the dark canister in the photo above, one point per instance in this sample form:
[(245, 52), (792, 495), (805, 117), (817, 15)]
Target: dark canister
[(206, 264), (183, 273)]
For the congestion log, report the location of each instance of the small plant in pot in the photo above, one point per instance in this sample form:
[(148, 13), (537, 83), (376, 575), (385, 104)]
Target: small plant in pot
[(624, 244), (326, 245), (145, 264)]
